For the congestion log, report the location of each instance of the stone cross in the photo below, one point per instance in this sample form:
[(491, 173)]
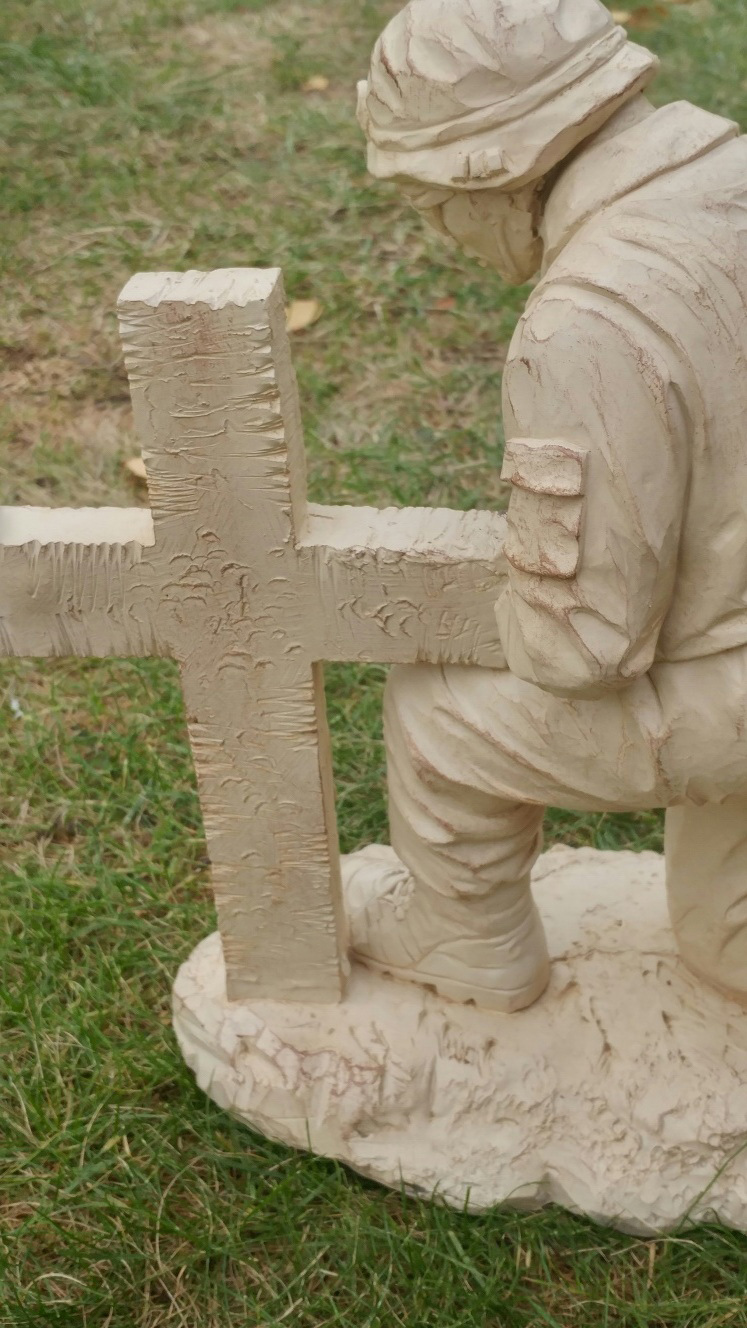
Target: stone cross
[(250, 588)]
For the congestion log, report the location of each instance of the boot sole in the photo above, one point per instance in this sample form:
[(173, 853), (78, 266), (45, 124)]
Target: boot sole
[(485, 998)]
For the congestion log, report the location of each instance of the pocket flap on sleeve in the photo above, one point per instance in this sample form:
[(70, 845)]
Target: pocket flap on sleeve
[(543, 534), (545, 465)]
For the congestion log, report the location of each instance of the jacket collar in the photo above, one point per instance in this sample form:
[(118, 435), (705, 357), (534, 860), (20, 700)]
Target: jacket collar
[(613, 166)]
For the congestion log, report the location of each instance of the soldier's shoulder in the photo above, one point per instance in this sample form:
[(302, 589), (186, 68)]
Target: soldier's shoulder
[(562, 311), (570, 329)]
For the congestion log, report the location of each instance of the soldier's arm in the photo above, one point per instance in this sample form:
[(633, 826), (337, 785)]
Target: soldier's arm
[(597, 456)]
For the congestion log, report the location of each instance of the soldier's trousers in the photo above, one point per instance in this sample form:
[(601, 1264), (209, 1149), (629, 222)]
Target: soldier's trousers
[(475, 755)]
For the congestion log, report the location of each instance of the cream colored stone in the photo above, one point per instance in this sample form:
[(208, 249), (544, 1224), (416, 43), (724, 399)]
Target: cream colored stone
[(622, 1094)]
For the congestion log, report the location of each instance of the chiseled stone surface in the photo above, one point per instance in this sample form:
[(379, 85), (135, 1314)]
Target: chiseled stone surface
[(621, 1094)]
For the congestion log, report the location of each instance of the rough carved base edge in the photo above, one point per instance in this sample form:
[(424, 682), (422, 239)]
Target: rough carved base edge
[(622, 1094)]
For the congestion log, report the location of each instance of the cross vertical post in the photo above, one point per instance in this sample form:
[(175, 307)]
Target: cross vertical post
[(216, 407)]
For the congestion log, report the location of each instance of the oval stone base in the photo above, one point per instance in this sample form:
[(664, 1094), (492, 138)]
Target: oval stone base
[(621, 1094)]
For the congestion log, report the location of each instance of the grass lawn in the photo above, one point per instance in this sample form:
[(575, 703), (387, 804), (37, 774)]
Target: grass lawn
[(145, 134)]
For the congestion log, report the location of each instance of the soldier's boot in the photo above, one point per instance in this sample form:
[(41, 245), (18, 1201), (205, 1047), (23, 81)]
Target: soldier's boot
[(488, 948)]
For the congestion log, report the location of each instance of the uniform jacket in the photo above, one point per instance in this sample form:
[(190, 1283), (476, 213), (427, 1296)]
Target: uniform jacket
[(625, 403)]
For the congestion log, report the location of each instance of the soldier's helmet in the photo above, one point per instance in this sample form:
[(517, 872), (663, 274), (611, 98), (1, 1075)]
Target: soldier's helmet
[(476, 94)]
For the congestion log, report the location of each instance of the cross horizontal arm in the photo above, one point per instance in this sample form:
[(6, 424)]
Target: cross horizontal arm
[(406, 585), (394, 585), (77, 581)]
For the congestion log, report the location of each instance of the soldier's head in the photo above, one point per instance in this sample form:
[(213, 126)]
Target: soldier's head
[(470, 104)]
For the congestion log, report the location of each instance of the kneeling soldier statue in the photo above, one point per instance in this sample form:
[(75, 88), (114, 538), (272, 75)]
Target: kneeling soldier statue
[(519, 130)]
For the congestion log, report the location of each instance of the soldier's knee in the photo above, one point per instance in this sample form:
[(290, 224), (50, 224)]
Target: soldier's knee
[(411, 690), (414, 719)]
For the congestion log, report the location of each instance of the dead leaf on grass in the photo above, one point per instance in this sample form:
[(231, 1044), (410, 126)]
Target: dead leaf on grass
[(300, 314), (136, 467), (648, 16), (317, 83)]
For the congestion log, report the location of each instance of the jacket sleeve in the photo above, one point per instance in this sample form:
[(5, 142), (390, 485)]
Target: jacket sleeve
[(597, 457)]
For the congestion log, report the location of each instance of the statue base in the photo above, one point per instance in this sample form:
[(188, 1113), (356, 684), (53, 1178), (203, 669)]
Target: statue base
[(621, 1094)]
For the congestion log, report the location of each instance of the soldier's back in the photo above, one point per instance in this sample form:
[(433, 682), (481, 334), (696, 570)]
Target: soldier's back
[(673, 251)]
